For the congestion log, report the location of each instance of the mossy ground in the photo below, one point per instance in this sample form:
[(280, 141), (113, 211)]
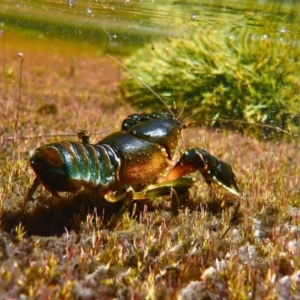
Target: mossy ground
[(61, 249)]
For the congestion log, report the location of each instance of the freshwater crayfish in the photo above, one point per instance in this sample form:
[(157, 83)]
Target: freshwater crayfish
[(125, 165)]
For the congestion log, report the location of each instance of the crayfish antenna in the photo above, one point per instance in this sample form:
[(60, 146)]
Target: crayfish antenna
[(181, 112), (145, 85), (222, 120)]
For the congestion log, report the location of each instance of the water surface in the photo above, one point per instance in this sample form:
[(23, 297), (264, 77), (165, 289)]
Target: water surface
[(120, 26)]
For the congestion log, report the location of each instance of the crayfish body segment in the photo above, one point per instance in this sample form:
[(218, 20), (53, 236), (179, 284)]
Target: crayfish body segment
[(67, 166), (125, 157), (137, 154)]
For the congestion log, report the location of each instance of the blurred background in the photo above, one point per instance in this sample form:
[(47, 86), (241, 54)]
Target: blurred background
[(218, 59)]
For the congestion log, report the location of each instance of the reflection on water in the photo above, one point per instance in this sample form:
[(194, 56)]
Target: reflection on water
[(128, 23)]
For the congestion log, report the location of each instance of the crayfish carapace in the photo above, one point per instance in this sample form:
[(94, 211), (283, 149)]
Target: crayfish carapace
[(122, 161)]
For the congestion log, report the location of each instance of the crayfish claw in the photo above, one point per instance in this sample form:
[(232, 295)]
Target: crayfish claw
[(212, 169)]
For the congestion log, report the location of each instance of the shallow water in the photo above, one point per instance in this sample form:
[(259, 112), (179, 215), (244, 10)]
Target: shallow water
[(119, 26)]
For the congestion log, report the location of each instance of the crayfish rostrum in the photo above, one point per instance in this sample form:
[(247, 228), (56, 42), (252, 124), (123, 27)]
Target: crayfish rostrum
[(123, 162)]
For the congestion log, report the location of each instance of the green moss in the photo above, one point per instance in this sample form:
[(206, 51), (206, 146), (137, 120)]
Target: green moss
[(221, 73)]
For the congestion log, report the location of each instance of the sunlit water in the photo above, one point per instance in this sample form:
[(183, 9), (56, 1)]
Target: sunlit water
[(120, 25)]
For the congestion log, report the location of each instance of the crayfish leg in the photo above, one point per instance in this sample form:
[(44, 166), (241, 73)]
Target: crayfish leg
[(177, 189), (127, 200), (233, 220), (84, 136), (32, 190), (175, 202)]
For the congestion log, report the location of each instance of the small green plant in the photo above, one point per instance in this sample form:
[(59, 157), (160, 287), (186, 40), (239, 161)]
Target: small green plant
[(20, 232), (221, 73)]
